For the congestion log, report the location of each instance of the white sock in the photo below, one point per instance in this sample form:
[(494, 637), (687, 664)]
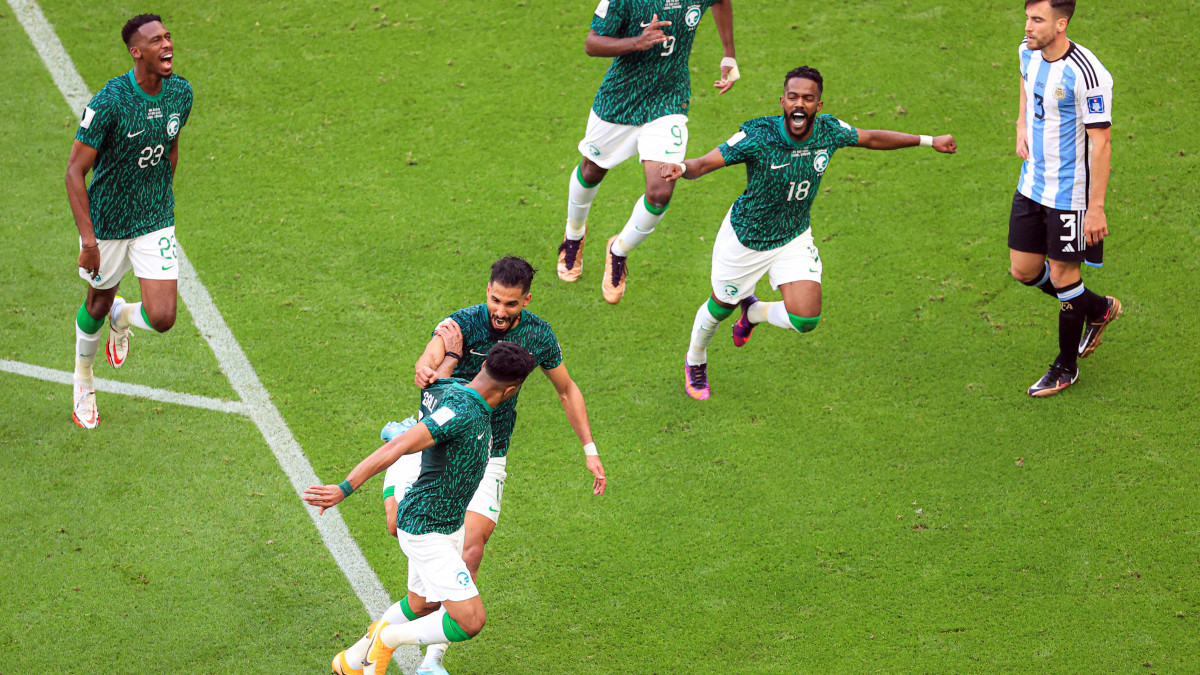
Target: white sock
[(703, 330), (426, 630), (356, 654), (777, 315), (435, 653), (579, 202), (85, 352), (641, 224), (131, 315), (757, 313)]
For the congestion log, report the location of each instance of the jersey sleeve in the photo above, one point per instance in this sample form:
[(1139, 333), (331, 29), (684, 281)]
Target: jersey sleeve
[(739, 148), (1023, 56), (609, 18), (97, 120), (446, 423), (549, 352), (1097, 101), (187, 107), (473, 330), (841, 134)]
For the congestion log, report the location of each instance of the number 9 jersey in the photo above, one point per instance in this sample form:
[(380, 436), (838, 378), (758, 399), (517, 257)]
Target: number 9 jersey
[(132, 133)]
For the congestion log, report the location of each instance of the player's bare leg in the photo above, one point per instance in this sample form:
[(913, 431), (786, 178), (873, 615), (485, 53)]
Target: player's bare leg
[(410, 608), (88, 322), (581, 190), (647, 212), (454, 621), (156, 312), (1031, 269)]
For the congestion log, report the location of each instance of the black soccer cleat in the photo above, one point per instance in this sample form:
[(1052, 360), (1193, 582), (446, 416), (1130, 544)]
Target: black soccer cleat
[(1093, 329), (1055, 380)]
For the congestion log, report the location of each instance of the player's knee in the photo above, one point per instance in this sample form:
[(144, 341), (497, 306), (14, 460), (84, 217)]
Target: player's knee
[(1024, 276), (466, 624), (804, 324), (99, 306), (161, 321), (658, 196), (591, 172)]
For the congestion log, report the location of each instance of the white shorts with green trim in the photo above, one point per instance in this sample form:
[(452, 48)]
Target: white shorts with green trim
[(401, 475), (436, 570), (737, 269), (660, 140), (151, 256)]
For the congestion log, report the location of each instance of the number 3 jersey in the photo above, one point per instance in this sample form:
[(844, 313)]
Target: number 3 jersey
[(132, 133), (782, 176)]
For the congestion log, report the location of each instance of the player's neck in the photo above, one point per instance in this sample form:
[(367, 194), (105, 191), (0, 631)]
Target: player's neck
[(1057, 49), (483, 387), (151, 83)]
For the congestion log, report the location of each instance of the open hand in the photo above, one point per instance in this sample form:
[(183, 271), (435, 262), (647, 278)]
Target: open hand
[(323, 496), (652, 34), (597, 469)]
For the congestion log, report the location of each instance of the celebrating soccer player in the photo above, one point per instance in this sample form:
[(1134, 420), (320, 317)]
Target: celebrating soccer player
[(766, 231), (641, 108), (126, 216), (455, 439), (1064, 135)]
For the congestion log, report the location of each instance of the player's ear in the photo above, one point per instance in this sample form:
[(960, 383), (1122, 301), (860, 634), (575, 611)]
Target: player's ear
[(528, 297), (820, 104)]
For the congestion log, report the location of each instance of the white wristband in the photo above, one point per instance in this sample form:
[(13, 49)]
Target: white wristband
[(590, 450), (926, 141), (681, 165), (734, 73)]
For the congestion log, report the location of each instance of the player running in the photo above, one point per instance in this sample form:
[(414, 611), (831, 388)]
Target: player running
[(766, 231), (1057, 221), (641, 108), (126, 216), (454, 438)]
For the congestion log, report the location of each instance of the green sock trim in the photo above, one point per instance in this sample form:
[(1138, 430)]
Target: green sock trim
[(144, 317), (85, 321), (452, 630), (579, 177), (719, 313), (654, 209), (412, 616), (804, 324)]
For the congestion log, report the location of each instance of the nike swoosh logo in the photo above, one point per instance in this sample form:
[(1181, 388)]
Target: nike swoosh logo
[(480, 436), (780, 166), (813, 271), (168, 267), (647, 23), (493, 510), (477, 353), (132, 135)]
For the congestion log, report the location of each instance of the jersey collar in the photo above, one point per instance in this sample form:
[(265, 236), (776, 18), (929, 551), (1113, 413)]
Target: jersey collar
[(787, 138), (137, 88), (479, 397)]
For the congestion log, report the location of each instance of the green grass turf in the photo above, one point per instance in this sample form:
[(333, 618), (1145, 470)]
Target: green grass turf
[(877, 496)]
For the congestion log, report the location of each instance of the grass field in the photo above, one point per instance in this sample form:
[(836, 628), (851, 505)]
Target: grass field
[(876, 496)]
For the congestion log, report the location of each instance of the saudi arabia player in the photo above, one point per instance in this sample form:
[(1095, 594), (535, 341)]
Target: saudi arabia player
[(641, 108), (766, 231), (1057, 221), (455, 439), (126, 216)]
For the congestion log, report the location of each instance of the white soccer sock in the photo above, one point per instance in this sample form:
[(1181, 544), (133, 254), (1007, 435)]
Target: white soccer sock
[(579, 202), (703, 330), (435, 653), (85, 352), (777, 315), (131, 315), (356, 654), (757, 313), (641, 224), (426, 630)]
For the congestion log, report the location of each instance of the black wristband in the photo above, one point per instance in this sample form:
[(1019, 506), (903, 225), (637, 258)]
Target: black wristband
[(454, 355)]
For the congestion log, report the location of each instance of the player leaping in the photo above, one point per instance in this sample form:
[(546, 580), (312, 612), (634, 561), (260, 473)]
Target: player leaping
[(766, 231), (126, 216), (641, 108)]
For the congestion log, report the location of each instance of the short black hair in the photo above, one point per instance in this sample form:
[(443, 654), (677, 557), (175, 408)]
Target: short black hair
[(132, 25), (513, 272), (805, 73), (509, 362), (1065, 8)]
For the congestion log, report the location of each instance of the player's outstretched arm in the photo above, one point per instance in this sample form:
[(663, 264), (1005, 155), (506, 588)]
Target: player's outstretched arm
[(722, 13), (83, 156), (606, 46), (879, 139), (415, 439), (1095, 222), (692, 169), (576, 411)]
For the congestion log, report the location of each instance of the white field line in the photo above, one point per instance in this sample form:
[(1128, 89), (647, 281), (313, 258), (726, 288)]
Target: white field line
[(115, 387), (232, 359)]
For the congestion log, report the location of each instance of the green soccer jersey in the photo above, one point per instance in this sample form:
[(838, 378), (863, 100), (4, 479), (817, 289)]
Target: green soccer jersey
[(782, 177), (644, 85), (132, 133), (531, 332), (459, 419)]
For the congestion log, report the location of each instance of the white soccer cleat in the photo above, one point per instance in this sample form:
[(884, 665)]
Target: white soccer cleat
[(117, 347), (84, 404), (431, 669)]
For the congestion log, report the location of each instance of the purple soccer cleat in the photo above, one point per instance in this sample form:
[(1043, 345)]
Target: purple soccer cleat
[(742, 328)]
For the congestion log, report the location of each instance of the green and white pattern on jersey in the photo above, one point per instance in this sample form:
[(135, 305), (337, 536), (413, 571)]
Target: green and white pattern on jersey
[(132, 133), (459, 419), (645, 85), (782, 177), (531, 332)]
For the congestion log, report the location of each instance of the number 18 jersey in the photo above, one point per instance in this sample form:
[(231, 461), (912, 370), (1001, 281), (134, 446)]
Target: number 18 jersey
[(782, 177), (132, 133)]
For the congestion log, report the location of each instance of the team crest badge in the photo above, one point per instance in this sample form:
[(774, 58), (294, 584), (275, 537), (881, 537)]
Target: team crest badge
[(593, 149), (730, 291), (820, 161), (173, 125), (1060, 92), (464, 579), (692, 17)]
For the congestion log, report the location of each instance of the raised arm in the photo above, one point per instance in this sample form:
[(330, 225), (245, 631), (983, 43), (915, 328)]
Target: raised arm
[(83, 156), (722, 13), (576, 412), (692, 169), (879, 139), (1095, 222), (607, 47), (415, 439)]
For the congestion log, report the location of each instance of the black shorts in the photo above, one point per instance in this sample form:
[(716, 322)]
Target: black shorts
[(1058, 235)]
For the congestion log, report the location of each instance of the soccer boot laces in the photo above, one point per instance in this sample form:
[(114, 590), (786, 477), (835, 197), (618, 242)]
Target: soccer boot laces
[(613, 284), (695, 381), (743, 327), (116, 349), (1055, 380), (570, 258)]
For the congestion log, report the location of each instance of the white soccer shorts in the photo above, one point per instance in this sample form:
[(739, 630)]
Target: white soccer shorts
[(402, 474), (661, 140), (737, 269), (486, 500), (436, 570), (151, 256)]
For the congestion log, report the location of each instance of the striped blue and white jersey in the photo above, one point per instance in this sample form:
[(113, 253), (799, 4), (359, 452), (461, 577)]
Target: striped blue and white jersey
[(1063, 99)]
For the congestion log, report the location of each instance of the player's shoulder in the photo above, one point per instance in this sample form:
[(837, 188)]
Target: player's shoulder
[(471, 313), (1092, 71), (535, 321), (180, 84), (117, 88), (830, 123)]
